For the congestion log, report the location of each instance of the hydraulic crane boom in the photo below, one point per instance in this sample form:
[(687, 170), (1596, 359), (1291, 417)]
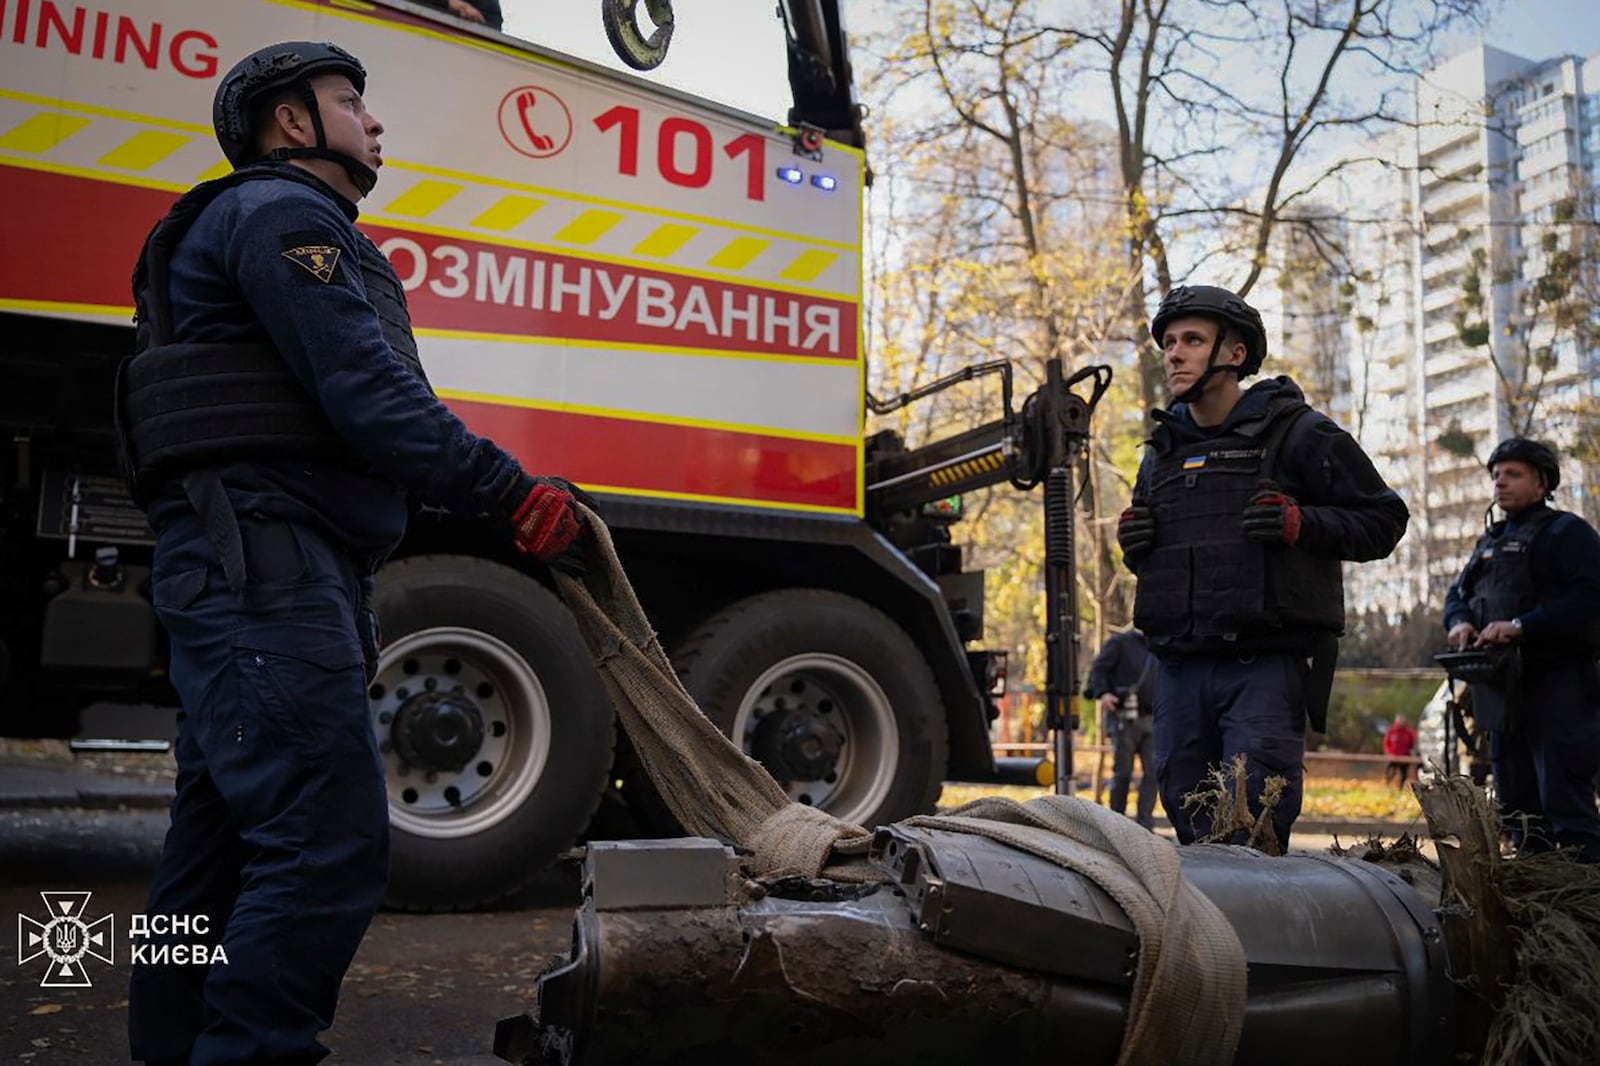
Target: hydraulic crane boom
[(820, 76), (1040, 444)]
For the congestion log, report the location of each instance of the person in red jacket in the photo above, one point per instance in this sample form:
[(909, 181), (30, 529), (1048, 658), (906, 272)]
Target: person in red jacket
[(1397, 744)]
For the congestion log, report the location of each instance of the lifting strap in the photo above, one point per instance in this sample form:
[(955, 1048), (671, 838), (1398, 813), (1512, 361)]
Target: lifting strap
[(1188, 1000)]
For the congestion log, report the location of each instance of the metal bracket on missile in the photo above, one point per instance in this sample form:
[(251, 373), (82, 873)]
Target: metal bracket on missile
[(625, 875), (979, 896)]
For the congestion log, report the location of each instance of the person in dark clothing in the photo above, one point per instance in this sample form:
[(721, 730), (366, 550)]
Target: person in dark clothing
[(1122, 682), (483, 12), (1531, 585), (274, 418), (1245, 503)]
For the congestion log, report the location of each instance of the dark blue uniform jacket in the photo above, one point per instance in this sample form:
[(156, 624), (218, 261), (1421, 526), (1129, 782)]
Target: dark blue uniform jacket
[(1564, 567), (1346, 509), (1121, 664), (231, 281)]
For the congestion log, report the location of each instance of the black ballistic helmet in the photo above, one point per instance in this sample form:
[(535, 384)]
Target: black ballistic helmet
[(291, 64), (1210, 301), (1535, 453)]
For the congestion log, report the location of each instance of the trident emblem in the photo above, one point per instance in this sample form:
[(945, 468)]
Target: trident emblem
[(66, 939)]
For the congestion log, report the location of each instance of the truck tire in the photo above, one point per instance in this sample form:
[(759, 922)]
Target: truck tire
[(494, 728), (829, 694)]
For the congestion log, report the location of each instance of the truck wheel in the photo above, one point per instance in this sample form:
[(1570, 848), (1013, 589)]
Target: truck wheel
[(829, 695), (495, 731)]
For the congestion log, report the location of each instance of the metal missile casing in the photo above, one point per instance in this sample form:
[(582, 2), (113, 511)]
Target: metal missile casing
[(973, 952)]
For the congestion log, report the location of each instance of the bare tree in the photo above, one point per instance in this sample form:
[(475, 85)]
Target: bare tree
[(1004, 222), (1222, 106)]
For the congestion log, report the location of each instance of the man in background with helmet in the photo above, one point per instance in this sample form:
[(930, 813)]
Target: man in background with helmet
[(1245, 503), (276, 423), (1532, 585)]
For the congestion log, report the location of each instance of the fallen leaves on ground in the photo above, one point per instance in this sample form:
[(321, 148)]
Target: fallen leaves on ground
[(1326, 798)]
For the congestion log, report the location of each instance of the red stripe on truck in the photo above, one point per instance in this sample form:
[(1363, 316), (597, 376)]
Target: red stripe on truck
[(459, 284), (655, 457), (73, 240)]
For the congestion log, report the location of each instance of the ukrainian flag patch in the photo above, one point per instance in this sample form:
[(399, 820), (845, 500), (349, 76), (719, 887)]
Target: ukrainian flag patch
[(1194, 462)]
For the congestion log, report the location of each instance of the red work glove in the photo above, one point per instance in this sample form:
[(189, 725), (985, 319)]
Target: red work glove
[(1136, 533), (1272, 517), (546, 525)]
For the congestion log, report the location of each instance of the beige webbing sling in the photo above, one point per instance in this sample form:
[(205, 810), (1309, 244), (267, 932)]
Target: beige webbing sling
[(1188, 999)]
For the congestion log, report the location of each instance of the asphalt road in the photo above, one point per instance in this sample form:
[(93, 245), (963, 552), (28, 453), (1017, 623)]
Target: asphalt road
[(423, 990)]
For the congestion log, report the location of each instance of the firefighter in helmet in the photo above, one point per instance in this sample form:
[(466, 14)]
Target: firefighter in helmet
[(276, 421), (1245, 504), (1530, 587)]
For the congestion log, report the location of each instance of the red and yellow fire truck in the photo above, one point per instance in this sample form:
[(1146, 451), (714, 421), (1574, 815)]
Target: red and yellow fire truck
[(654, 295)]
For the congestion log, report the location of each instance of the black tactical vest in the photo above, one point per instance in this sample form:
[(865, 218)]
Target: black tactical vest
[(1497, 583), (1204, 580), (183, 406)]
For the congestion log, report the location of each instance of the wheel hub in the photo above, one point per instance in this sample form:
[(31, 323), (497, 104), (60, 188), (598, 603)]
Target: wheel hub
[(797, 745), (822, 725), (438, 731)]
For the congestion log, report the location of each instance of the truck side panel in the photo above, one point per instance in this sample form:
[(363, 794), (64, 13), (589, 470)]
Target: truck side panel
[(659, 299)]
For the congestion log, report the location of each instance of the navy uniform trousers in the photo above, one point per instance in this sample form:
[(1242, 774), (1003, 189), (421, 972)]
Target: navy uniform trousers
[(1210, 708), (1545, 766), (1132, 737), (279, 828)]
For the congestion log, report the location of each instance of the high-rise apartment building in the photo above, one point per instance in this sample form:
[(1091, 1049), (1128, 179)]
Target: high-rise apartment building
[(1453, 342), (1383, 345)]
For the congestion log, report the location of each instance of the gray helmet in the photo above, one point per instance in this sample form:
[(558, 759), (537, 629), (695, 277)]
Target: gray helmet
[(1209, 301), (291, 64), (1535, 453)]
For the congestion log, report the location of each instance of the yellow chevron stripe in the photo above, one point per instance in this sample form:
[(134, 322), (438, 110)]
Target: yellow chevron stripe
[(589, 227), (104, 112), (808, 265), (738, 253), (458, 175), (144, 150), (41, 132), (110, 178), (424, 198), (216, 170), (665, 239), (508, 212), (581, 198)]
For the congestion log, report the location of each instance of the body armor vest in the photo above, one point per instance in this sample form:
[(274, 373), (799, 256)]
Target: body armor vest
[(182, 406), (1498, 581), (1204, 579)]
